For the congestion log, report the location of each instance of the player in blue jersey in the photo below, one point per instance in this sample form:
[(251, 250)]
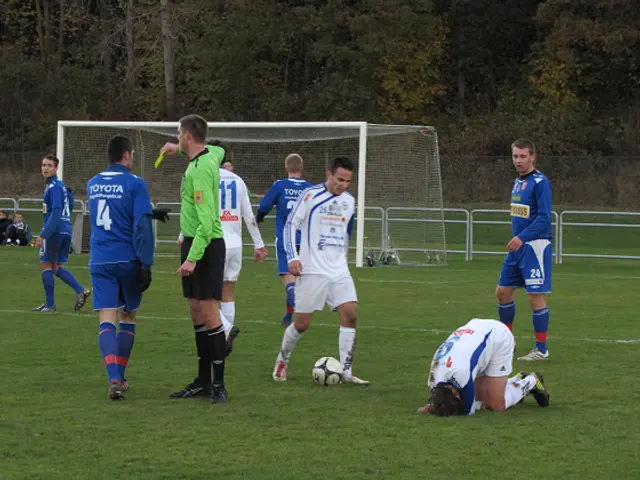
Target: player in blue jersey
[(528, 263), (284, 194), (54, 240), (121, 255)]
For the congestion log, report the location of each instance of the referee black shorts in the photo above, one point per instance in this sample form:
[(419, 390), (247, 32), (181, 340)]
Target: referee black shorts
[(205, 283)]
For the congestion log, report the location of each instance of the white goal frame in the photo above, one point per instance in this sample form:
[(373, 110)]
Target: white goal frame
[(362, 153)]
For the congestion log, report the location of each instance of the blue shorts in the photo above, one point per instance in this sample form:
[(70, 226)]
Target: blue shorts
[(116, 285), (529, 267), (55, 249), (281, 256)]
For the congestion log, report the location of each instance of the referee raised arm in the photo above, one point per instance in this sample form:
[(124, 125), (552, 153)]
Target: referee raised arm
[(202, 254)]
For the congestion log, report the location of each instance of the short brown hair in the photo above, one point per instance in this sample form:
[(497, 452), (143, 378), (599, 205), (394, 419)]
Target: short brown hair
[(53, 158), (196, 126), (293, 163), (524, 143)]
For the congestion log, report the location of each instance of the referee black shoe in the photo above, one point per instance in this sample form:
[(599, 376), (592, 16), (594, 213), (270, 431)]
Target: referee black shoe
[(194, 389), (218, 394)]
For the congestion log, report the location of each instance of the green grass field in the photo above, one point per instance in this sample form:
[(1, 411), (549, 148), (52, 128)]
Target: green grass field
[(56, 421)]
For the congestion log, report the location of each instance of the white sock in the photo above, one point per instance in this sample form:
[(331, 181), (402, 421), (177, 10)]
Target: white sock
[(347, 344), (225, 323), (289, 341), (516, 389), (229, 310)]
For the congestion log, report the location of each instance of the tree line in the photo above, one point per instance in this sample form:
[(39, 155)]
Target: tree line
[(564, 72)]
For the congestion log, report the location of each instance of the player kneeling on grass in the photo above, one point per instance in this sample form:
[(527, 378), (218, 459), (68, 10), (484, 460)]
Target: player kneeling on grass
[(324, 214), (470, 371), (121, 255)]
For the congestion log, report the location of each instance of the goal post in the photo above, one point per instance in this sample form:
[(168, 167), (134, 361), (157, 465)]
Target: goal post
[(396, 166)]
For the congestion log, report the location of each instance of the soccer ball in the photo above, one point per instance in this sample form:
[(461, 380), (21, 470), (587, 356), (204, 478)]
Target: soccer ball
[(327, 371)]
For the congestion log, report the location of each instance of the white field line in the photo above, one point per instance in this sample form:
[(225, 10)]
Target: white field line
[(429, 331)]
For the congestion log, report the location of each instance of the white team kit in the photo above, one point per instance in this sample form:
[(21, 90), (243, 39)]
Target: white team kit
[(479, 348), (325, 222), (235, 206)]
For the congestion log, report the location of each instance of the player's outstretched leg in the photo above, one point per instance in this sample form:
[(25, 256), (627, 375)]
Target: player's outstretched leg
[(81, 293), (289, 341), (291, 304)]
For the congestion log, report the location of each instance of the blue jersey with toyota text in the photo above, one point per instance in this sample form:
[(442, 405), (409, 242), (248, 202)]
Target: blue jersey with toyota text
[(56, 206), (531, 207), (116, 198), (283, 194)]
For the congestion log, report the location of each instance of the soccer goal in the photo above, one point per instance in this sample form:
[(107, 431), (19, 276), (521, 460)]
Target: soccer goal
[(397, 168)]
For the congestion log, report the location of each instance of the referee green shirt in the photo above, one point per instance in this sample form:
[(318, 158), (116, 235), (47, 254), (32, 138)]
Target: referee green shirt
[(199, 211)]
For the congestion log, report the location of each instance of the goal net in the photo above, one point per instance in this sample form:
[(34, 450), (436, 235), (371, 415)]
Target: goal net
[(397, 183)]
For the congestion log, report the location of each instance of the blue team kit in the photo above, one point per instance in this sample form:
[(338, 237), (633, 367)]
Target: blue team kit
[(121, 239), (283, 194), (530, 265), (56, 231)]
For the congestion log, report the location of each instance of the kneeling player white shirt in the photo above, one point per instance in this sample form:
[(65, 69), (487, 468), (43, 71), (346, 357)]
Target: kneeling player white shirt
[(325, 222), (481, 347)]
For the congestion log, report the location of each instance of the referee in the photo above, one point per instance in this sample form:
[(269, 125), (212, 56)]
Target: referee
[(202, 254)]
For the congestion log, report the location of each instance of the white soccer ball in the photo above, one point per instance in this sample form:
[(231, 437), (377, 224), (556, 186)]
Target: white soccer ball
[(327, 371)]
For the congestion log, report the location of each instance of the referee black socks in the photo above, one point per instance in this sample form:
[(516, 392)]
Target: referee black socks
[(218, 352)]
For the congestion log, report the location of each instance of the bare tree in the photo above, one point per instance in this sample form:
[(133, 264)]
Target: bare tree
[(131, 53), (169, 68)]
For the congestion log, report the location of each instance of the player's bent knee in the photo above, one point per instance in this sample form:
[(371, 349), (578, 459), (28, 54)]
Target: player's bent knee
[(495, 405), (504, 294), (302, 321)]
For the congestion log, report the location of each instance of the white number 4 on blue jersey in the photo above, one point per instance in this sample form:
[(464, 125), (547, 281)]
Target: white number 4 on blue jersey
[(103, 219)]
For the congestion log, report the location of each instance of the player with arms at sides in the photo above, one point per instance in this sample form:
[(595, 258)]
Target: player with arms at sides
[(202, 255), (528, 263), (470, 371), (284, 194), (54, 240), (121, 255), (324, 214), (234, 207)]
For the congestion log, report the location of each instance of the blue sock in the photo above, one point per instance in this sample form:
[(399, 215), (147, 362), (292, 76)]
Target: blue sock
[(67, 277), (109, 349), (126, 338), (48, 282), (507, 312), (541, 326), (291, 297)]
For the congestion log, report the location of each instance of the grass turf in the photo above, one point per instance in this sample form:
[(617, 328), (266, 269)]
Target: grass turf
[(56, 421)]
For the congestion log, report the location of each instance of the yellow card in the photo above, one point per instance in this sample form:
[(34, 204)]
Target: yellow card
[(158, 160)]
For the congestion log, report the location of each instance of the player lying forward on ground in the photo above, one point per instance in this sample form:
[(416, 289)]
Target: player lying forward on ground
[(470, 371)]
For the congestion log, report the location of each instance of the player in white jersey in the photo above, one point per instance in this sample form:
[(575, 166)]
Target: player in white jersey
[(470, 371), (235, 206), (324, 215)]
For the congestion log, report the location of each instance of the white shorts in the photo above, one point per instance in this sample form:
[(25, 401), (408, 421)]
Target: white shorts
[(232, 264), (501, 359), (313, 292)]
